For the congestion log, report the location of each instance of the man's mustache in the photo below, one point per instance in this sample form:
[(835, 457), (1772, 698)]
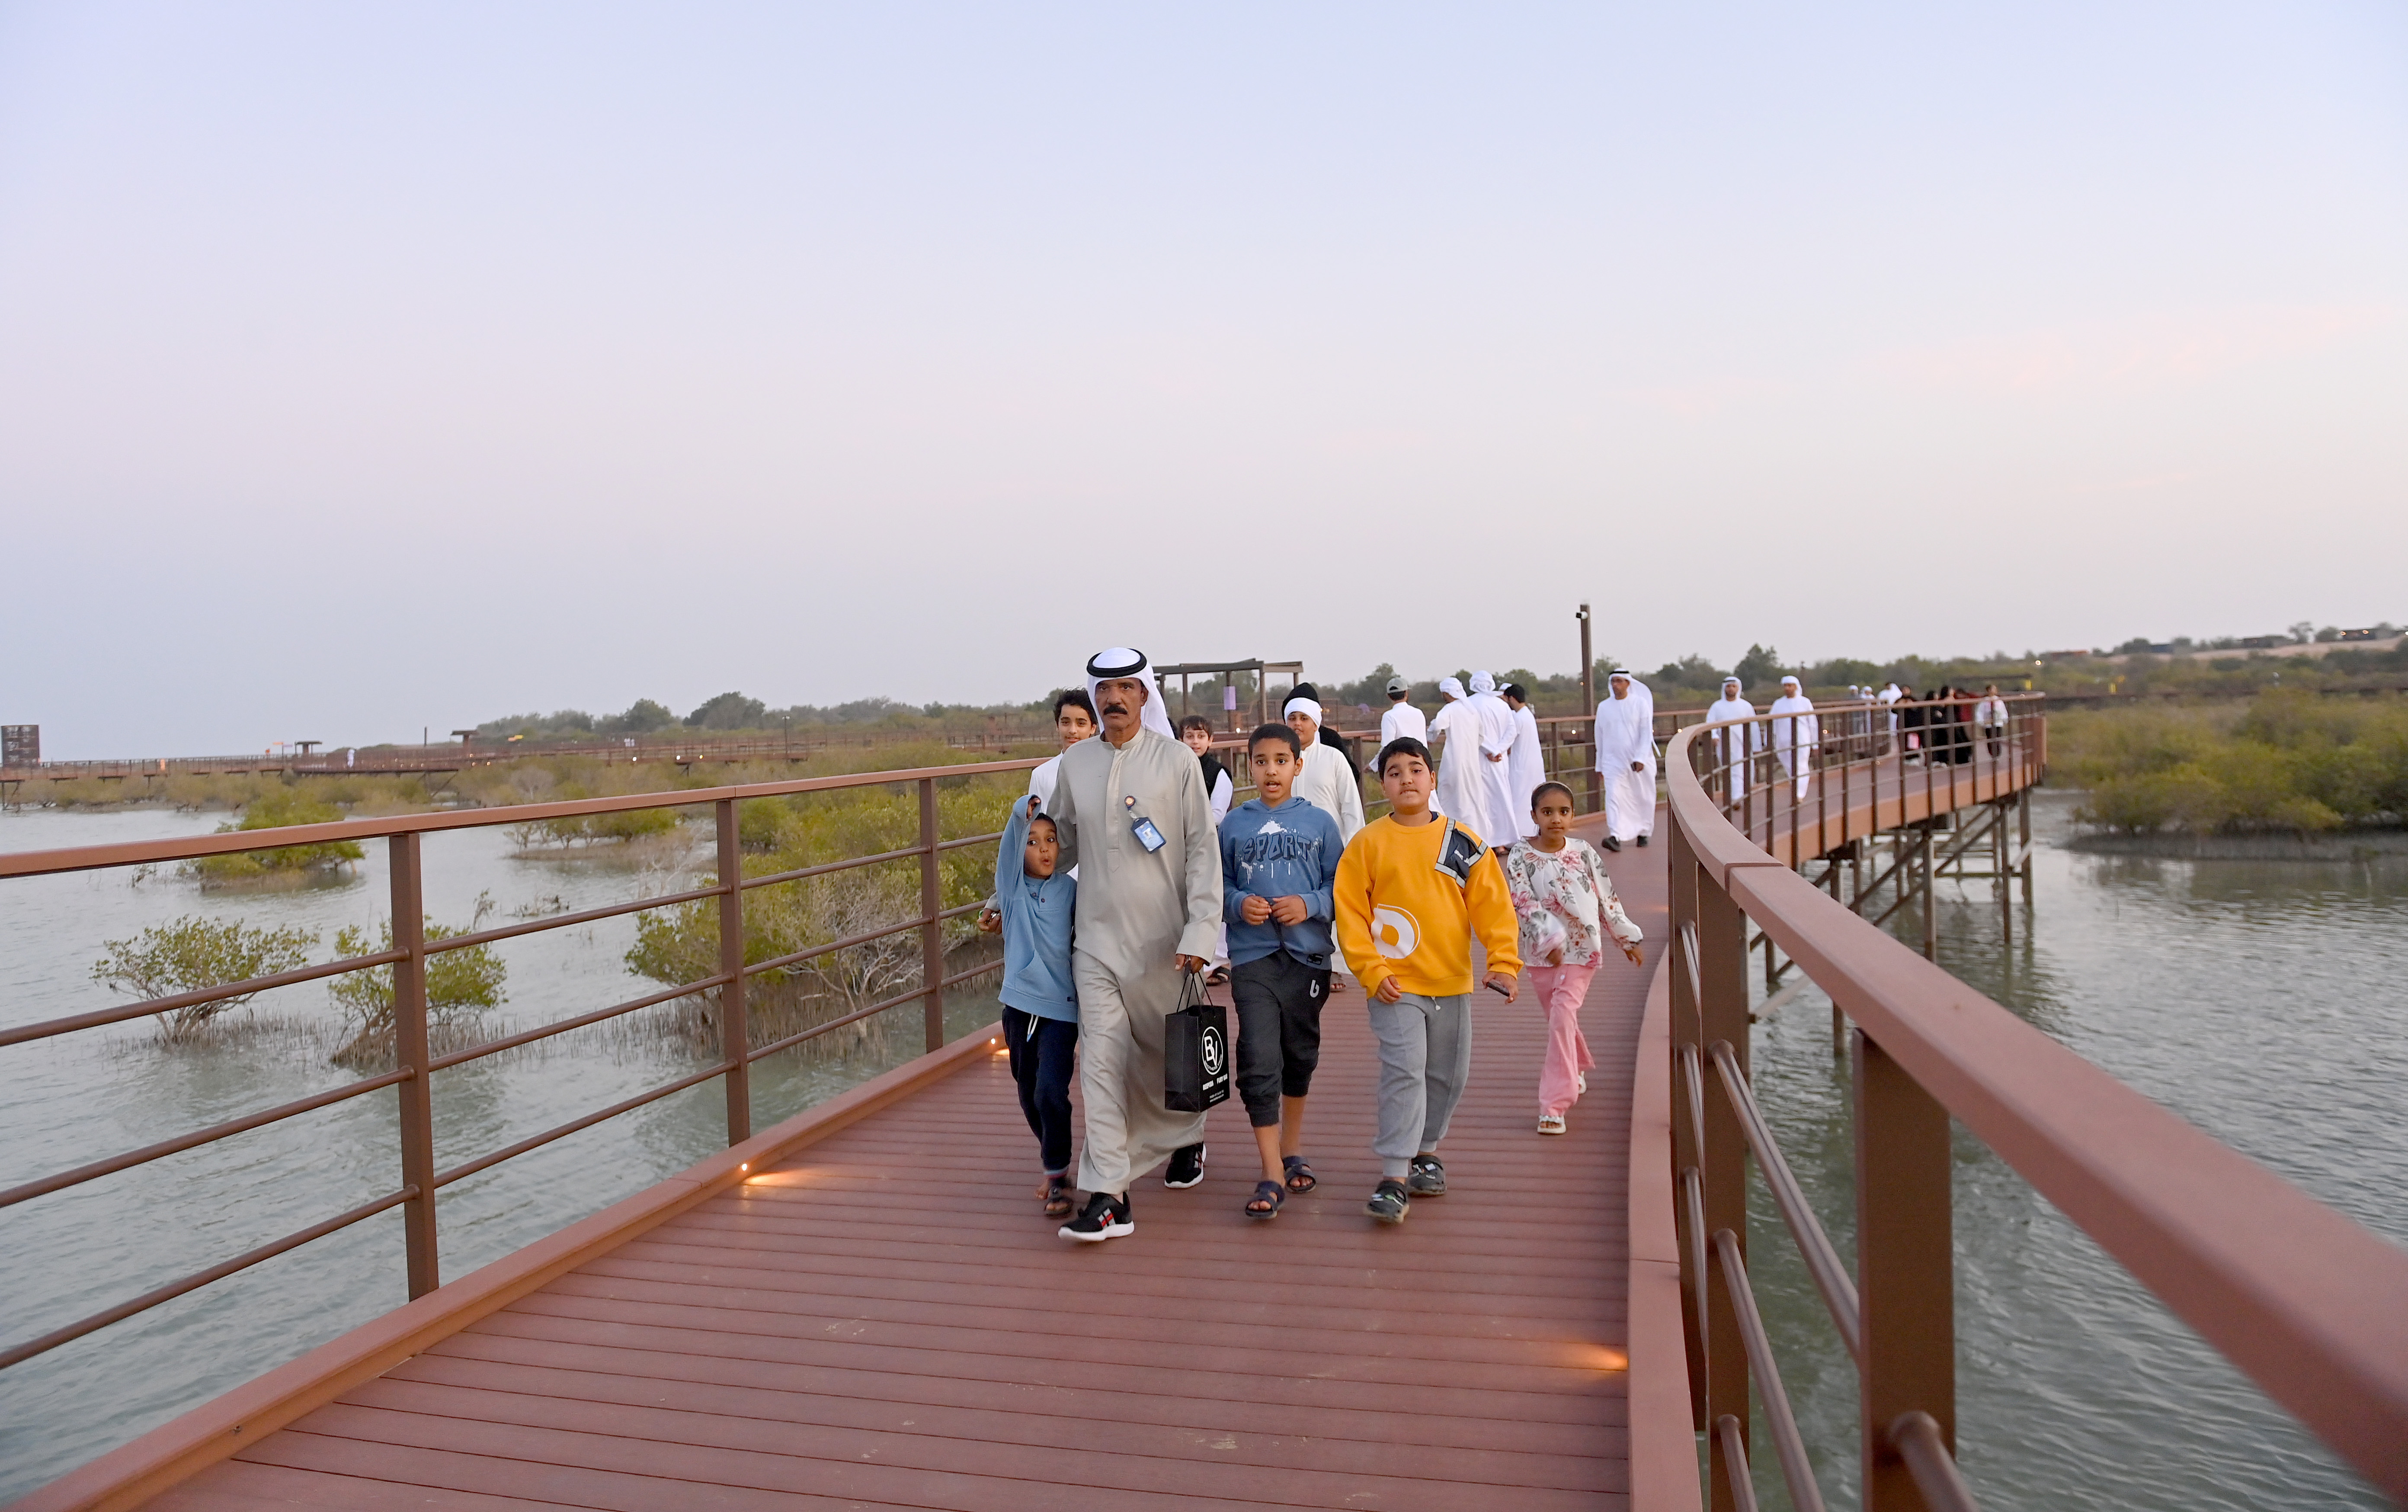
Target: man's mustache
[(1116, 707)]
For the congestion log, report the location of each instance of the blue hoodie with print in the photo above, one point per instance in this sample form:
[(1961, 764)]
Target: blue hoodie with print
[(1289, 851)]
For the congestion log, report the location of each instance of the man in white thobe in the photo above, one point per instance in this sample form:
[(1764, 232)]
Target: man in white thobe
[(1498, 732), (1327, 780), (1625, 758), (1888, 698), (1132, 813), (1402, 722), (1795, 734), (1454, 740), (1733, 746), (1528, 761)]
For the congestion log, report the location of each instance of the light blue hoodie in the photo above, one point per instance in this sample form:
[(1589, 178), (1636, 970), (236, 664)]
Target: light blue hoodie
[(1037, 914)]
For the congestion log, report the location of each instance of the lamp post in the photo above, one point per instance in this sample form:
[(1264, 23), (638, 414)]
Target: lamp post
[(1588, 703)]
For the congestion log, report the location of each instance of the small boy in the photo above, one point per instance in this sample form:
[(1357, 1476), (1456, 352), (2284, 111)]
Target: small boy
[(1279, 858), (1412, 891), (1196, 731), (1032, 909)]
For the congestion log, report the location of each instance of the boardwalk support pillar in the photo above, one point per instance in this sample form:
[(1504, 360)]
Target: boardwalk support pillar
[(932, 930), (1722, 990)]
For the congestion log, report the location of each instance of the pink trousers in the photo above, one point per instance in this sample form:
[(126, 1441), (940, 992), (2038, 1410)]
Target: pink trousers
[(1560, 990)]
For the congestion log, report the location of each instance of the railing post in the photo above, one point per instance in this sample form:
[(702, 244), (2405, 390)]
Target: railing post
[(932, 935), (1722, 973), (1905, 1277), (1686, 1042), (735, 1024), (409, 1052)]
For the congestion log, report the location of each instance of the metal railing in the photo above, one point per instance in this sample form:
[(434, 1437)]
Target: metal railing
[(414, 1063), (2310, 1306)]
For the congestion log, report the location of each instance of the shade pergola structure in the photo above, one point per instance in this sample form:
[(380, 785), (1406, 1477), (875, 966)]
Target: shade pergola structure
[(1263, 671)]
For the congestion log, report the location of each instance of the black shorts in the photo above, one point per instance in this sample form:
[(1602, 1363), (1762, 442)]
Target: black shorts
[(1279, 1001)]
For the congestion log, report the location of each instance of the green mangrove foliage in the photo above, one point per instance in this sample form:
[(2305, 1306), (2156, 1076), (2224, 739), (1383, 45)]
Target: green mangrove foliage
[(805, 829), (460, 984), (194, 953), (2289, 761), (274, 808)]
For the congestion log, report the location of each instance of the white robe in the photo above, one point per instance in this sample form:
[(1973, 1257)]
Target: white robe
[(1136, 910), (1328, 784), (1402, 722), (1736, 745), (1795, 734), (1500, 825), (1626, 732), (1460, 784), (1526, 767)]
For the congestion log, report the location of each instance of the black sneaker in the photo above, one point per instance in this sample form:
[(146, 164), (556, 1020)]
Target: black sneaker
[(1427, 1178), (1643, 842), (1611, 843), (1389, 1201), (1186, 1167), (1107, 1217)]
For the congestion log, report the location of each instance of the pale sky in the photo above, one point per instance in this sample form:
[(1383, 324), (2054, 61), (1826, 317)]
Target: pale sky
[(369, 367)]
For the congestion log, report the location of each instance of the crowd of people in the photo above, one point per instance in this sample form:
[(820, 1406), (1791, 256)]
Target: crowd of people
[(1127, 882)]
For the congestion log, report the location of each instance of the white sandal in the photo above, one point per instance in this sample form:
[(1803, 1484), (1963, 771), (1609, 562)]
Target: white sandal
[(1551, 1123)]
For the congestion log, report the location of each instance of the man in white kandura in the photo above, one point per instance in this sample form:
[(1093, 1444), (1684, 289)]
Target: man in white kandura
[(1625, 758), (1795, 733), (1497, 733), (1132, 813), (1401, 721), (1327, 780), (1528, 762), (1457, 725), (1733, 746)]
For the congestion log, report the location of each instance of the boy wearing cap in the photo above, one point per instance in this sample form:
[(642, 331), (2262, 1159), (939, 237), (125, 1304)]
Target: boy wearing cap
[(1402, 722)]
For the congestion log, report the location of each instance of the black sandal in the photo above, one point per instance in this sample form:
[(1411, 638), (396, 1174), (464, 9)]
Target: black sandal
[(1057, 1197), (1300, 1179), (1265, 1191)]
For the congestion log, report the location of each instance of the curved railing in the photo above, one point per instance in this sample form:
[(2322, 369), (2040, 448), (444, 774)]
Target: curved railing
[(2310, 1306)]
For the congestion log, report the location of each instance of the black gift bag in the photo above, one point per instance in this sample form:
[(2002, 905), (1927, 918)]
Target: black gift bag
[(1196, 1050)]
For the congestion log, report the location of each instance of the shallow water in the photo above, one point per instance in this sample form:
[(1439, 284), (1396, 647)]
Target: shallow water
[(76, 1098), (2260, 1000)]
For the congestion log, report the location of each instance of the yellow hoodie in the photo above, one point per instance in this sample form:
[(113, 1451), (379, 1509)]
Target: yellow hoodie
[(1408, 898)]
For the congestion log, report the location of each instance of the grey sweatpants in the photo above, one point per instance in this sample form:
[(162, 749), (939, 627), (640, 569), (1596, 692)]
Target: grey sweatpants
[(1425, 1060)]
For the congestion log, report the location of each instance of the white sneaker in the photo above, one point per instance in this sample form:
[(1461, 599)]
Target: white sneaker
[(1580, 1084), (1552, 1123)]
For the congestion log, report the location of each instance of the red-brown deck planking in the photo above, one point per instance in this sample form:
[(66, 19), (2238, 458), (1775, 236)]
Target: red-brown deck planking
[(886, 1320)]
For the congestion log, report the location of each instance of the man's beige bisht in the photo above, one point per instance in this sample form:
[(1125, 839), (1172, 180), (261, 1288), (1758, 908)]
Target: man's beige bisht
[(1137, 912)]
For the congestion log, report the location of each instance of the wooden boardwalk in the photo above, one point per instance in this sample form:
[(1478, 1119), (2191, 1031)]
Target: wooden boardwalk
[(886, 1320)]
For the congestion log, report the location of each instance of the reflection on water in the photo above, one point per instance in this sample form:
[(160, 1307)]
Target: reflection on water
[(74, 1099), (2260, 1000)]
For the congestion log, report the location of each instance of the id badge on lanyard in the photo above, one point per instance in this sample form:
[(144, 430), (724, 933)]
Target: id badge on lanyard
[(1147, 835)]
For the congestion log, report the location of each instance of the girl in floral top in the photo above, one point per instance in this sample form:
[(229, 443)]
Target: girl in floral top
[(1567, 903)]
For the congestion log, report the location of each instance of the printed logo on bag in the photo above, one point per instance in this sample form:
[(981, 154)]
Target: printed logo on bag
[(1212, 1053), (1395, 933)]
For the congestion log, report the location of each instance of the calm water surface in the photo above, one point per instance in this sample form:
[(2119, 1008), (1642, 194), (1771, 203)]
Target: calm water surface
[(2260, 1000), (2264, 1002), (76, 1098)]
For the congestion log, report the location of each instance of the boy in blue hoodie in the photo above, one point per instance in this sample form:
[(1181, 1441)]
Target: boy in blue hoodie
[(1279, 856), (1032, 908)]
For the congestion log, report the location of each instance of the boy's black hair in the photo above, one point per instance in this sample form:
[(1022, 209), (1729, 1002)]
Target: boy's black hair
[(1188, 722), (1403, 746), (1073, 698), (1046, 819), (1516, 690), (1275, 732), (1544, 789)]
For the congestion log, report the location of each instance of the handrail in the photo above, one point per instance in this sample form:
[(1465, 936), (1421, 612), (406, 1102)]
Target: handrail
[(412, 950), (2309, 1304)]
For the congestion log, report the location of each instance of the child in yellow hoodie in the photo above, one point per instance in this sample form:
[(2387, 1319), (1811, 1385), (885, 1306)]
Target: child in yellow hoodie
[(1412, 889)]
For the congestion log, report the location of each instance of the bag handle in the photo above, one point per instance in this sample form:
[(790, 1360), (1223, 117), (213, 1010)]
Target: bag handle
[(1193, 992)]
